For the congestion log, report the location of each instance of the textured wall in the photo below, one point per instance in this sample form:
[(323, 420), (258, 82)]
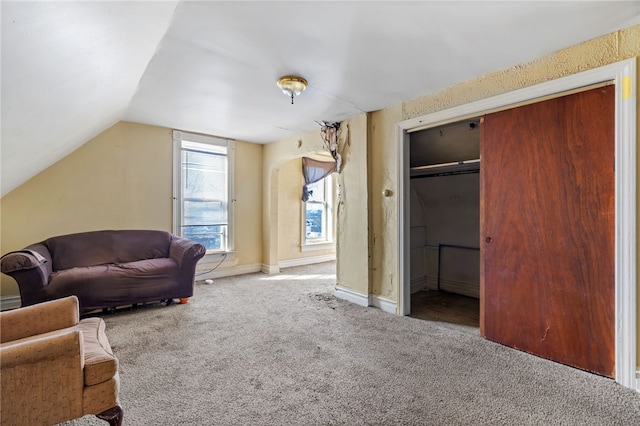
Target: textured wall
[(275, 155), (591, 54), (290, 182), (353, 205), (383, 171)]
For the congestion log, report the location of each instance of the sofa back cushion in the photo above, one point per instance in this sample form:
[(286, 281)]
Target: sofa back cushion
[(104, 247)]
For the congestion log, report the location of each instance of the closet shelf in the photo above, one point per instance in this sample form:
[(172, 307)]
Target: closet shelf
[(446, 169)]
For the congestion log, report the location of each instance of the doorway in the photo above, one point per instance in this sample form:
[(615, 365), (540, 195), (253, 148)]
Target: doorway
[(622, 75), (445, 209)]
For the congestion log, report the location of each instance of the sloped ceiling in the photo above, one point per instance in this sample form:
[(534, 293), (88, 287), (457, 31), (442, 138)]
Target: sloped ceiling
[(72, 69)]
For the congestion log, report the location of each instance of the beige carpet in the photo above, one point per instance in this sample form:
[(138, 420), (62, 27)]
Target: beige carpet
[(281, 350)]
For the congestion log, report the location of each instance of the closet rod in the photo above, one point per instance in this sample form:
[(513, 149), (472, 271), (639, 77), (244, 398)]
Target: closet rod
[(461, 172), (447, 169)]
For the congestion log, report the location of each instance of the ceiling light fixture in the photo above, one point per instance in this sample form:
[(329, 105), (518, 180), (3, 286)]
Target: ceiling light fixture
[(292, 85)]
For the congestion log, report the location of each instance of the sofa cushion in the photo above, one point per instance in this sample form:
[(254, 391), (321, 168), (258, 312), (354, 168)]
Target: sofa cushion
[(99, 363), (105, 247)]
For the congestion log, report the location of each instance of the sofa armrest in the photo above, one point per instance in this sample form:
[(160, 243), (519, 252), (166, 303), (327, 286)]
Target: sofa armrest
[(42, 378), (185, 252), (38, 319), (31, 268)]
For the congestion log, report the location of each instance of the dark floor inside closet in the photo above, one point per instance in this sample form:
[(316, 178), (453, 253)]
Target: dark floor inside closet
[(446, 307)]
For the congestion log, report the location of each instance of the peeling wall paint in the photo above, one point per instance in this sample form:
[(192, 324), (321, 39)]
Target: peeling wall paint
[(383, 212), (353, 204)]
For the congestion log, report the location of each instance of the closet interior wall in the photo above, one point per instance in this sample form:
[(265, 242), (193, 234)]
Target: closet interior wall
[(445, 208)]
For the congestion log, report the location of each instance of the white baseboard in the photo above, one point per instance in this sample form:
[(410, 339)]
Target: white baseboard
[(418, 284), (638, 381), (305, 261), (383, 304), (351, 296), (230, 271), (270, 269), (363, 300), (10, 302)]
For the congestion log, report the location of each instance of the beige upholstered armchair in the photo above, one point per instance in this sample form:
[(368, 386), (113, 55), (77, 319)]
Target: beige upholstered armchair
[(55, 367)]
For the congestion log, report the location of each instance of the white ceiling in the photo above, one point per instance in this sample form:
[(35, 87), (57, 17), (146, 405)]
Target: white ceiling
[(72, 69)]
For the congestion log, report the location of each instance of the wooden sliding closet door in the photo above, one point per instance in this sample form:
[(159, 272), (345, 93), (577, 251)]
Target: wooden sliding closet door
[(547, 229)]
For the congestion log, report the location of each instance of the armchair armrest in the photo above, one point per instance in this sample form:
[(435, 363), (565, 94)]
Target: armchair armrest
[(38, 319), (185, 252), (66, 343)]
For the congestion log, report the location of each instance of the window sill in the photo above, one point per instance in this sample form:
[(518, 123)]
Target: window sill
[(327, 245), (217, 256)]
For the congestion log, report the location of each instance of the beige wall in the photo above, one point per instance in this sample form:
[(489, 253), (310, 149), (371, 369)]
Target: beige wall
[(121, 179), (275, 155), (247, 205), (352, 226), (290, 213), (383, 236), (352, 221), (289, 217)]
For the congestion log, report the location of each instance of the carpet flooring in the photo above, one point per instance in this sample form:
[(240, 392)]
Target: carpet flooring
[(282, 350)]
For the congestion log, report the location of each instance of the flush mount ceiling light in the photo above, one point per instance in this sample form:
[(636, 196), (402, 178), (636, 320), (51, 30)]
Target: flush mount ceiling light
[(292, 85)]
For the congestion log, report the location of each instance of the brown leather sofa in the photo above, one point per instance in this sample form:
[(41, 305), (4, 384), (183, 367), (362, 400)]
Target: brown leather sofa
[(106, 269), (55, 367)]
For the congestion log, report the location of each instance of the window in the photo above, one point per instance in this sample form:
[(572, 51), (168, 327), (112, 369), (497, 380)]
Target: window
[(318, 213), (203, 190)]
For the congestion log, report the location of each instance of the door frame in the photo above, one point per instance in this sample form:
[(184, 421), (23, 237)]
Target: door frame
[(623, 75)]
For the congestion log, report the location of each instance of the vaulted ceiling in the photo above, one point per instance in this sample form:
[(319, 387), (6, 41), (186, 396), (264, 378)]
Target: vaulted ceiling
[(72, 69)]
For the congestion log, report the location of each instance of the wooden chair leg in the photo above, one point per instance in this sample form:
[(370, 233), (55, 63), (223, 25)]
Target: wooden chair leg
[(112, 415)]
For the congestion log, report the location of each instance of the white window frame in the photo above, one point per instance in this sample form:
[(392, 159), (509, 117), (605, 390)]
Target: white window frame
[(178, 137), (329, 241)]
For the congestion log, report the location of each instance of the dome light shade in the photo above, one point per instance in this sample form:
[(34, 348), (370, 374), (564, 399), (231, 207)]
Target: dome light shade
[(292, 85)]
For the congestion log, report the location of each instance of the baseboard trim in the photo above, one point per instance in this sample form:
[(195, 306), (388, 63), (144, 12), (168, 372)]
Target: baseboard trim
[(351, 296), (360, 299), (270, 269), (638, 381), (230, 271), (10, 302), (383, 304), (418, 284), (289, 263)]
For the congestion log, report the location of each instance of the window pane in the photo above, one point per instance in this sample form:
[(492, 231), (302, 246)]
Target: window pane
[(204, 197), (204, 176), (212, 237), (199, 212), (316, 191), (316, 221)]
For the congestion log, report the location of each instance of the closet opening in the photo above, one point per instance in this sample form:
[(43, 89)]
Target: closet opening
[(445, 223)]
